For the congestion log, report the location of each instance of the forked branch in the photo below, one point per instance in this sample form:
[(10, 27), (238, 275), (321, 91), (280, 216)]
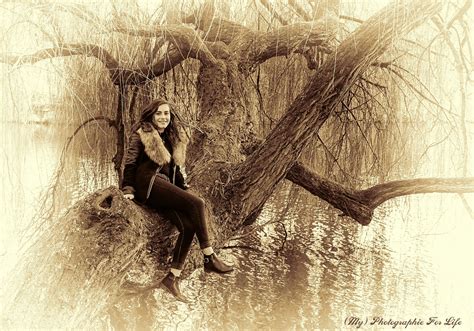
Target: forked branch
[(118, 74), (185, 39), (293, 38), (360, 204)]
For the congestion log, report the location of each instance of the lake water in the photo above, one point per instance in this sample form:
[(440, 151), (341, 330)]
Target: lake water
[(307, 268)]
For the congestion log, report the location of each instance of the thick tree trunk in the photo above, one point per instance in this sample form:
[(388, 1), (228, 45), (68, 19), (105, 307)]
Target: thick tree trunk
[(76, 269), (216, 144), (255, 179)]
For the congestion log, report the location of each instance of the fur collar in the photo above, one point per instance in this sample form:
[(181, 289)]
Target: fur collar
[(155, 147)]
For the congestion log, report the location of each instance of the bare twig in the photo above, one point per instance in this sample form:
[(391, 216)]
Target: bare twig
[(273, 12)]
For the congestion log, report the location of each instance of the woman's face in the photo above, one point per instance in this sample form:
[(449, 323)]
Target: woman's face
[(162, 117)]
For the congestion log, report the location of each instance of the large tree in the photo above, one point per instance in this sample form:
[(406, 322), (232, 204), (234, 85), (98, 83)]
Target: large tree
[(231, 165)]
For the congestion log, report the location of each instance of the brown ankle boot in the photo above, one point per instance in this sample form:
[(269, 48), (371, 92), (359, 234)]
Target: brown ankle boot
[(213, 264), (171, 284)]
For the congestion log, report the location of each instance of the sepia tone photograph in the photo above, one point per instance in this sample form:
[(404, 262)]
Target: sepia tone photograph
[(236, 165)]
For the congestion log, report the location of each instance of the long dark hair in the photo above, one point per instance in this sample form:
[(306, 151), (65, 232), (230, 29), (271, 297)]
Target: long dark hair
[(172, 130)]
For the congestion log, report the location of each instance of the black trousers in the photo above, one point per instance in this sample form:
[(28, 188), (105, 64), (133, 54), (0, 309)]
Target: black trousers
[(186, 211)]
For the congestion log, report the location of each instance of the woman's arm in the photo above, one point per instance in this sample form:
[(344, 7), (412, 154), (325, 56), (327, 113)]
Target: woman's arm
[(129, 172)]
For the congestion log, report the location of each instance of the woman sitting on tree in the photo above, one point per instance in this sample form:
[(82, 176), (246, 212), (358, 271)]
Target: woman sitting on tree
[(154, 175)]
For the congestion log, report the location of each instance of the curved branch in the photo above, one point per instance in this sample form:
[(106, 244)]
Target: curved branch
[(118, 74), (141, 75), (360, 204), (378, 194), (188, 45), (185, 39), (296, 37), (52, 191), (64, 50), (109, 121), (346, 200)]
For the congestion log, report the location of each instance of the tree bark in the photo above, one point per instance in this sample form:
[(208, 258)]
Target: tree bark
[(283, 146), (80, 266), (293, 38), (360, 204)]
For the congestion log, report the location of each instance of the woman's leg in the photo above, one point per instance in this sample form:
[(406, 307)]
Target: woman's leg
[(165, 195), (185, 238), (180, 252)]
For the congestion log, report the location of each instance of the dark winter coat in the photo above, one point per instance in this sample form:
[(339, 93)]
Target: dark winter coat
[(148, 156)]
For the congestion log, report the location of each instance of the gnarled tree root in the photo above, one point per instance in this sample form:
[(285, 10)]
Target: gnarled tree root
[(80, 266)]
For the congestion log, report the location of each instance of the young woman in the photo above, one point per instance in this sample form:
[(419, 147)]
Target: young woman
[(154, 175)]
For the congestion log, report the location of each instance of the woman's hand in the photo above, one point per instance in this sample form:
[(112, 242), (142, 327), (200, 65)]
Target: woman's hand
[(129, 196)]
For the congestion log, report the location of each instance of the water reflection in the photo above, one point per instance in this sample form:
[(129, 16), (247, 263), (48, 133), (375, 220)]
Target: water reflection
[(312, 268), (30, 154), (330, 269)]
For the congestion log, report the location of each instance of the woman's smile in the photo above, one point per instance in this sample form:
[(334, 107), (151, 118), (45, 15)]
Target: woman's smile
[(162, 117)]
